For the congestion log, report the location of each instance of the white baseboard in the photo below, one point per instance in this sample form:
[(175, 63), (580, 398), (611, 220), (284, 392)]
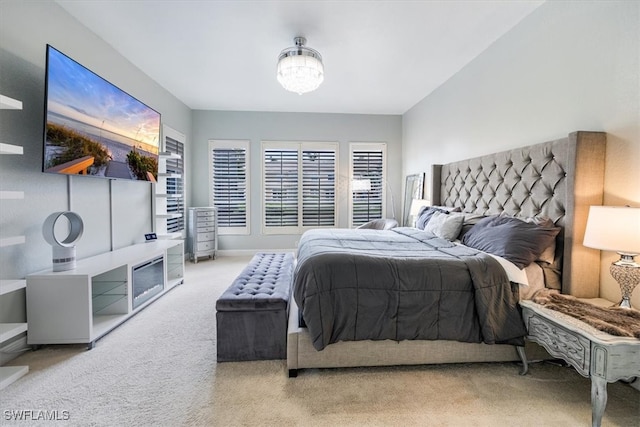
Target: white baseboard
[(13, 349), (250, 252)]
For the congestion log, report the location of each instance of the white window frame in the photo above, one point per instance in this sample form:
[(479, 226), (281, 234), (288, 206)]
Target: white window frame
[(367, 146), (300, 147), (232, 144)]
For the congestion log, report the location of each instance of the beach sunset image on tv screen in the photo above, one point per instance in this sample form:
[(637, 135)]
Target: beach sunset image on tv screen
[(94, 128)]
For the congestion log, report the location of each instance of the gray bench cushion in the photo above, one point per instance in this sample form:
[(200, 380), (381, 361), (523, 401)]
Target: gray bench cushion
[(264, 284)]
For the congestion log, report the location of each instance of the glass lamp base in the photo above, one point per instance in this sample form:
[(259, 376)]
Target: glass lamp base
[(625, 303), (627, 274)]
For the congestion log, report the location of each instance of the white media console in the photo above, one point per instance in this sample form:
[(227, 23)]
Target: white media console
[(81, 305)]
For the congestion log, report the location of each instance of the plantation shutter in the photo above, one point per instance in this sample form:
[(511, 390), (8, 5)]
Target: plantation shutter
[(175, 185), (230, 185), (367, 180), (299, 186), (281, 187), (318, 188)]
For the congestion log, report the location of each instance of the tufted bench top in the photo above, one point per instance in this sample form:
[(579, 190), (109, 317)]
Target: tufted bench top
[(264, 284)]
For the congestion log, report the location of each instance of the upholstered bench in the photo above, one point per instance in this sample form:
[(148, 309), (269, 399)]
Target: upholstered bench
[(251, 317)]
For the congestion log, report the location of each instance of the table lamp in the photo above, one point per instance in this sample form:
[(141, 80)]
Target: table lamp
[(617, 228), (416, 206)]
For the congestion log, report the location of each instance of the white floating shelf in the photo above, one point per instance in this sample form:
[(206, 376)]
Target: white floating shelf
[(169, 175), (168, 215), (7, 103), (10, 149), (10, 241), (10, 374), (11, 195), (10, 330), (7, 286)]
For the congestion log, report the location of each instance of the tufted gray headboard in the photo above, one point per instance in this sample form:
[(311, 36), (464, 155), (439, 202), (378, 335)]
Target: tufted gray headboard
[(559, 179)]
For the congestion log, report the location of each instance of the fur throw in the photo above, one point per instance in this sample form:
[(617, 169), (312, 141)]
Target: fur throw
[(618, 321)]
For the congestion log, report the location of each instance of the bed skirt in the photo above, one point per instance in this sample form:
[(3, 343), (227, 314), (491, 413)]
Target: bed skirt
[(301, 354)]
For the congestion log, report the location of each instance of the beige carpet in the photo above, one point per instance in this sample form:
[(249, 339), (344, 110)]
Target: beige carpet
[(159, 369)]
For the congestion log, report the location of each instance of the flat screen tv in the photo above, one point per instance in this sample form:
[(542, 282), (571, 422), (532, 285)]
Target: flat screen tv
[(93, 128)]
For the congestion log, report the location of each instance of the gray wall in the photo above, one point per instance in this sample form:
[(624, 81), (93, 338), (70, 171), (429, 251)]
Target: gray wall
[(568, 66), (257, 127), (25, 29)]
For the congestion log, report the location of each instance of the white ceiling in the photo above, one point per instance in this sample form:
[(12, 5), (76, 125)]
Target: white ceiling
[(380, 57)]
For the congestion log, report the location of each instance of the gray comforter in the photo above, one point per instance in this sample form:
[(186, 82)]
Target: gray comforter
[(402, 284)]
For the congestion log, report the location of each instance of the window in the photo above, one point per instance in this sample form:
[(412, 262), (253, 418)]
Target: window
[(367, 176), (299, 186), (229, 178), (175, 184)]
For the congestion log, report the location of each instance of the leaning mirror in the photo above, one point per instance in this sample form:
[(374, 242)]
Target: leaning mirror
[(413, 189)]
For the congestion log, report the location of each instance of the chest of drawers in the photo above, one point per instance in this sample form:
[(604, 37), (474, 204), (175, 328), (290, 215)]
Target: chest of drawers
[(202, 236)]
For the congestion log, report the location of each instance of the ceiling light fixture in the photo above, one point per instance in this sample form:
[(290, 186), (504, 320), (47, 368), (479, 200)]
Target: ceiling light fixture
[(300, 68)]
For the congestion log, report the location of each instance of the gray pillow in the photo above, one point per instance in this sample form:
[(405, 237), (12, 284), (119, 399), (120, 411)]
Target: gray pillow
[(427, 211), (470, 219), (518, 241), (548, 255), (445, 226), (425, 215)]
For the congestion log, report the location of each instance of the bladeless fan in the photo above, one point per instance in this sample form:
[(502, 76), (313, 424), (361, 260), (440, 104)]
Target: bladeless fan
[(64, 252)]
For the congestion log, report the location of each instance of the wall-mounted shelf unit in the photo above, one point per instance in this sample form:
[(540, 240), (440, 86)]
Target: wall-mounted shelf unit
[(10, 241), (168, 155), (10, 330), (11, 285), (169, 196), (10, 149), (170, 175), (9, 374), (168, 215), (11, 195), (7, 103)]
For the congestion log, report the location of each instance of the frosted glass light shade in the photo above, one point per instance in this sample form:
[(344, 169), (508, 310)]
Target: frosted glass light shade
[(613, 228), (300, 68)]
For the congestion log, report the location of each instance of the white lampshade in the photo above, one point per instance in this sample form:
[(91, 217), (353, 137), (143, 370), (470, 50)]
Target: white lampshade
[(416, 205), (300, 68), (414, 210), (613, 228)]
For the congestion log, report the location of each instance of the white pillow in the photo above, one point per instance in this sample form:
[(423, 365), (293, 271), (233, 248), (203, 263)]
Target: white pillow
[(513, 272), (445, 226)]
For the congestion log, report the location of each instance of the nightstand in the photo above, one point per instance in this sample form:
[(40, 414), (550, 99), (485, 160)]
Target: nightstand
[(594, 354)]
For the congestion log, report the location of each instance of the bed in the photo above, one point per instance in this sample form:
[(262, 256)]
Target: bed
[(557, 179)]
